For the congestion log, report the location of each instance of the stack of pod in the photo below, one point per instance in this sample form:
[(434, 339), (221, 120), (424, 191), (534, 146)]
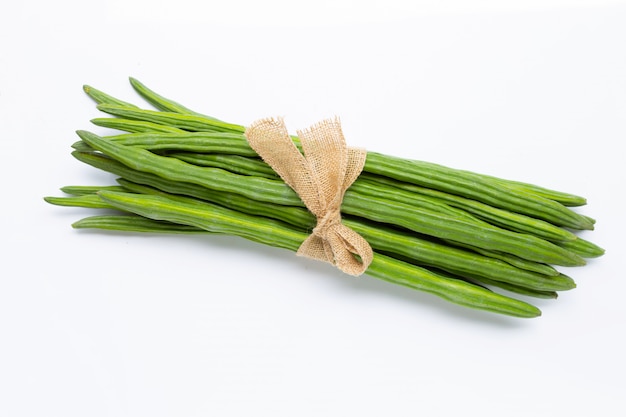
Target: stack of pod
[(472, 239)]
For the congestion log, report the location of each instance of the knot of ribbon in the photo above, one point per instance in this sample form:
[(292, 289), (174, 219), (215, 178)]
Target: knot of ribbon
[(320, 175)]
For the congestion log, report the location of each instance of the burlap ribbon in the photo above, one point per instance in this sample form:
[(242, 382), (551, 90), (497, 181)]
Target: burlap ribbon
[(320, 177)]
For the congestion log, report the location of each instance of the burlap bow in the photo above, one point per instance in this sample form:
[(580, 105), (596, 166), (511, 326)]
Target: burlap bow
[(320, 177)]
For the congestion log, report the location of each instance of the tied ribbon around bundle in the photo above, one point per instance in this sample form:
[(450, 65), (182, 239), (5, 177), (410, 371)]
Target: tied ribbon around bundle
[(320, 177)]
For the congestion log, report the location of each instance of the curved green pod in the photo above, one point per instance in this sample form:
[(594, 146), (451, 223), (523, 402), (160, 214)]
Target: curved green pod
[(181, 121), (134, 126), (207, 142), (274, 233)]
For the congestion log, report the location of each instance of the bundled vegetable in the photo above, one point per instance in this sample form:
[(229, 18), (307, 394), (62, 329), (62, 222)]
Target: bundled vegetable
[(456, 234)]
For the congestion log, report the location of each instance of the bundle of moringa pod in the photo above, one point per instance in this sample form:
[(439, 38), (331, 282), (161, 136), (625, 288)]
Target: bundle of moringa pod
[(472, 239)]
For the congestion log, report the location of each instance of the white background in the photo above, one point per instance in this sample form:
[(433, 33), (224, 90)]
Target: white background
[(112, 324)]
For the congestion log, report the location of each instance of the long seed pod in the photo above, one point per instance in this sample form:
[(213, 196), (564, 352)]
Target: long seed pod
[(274, 233)]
